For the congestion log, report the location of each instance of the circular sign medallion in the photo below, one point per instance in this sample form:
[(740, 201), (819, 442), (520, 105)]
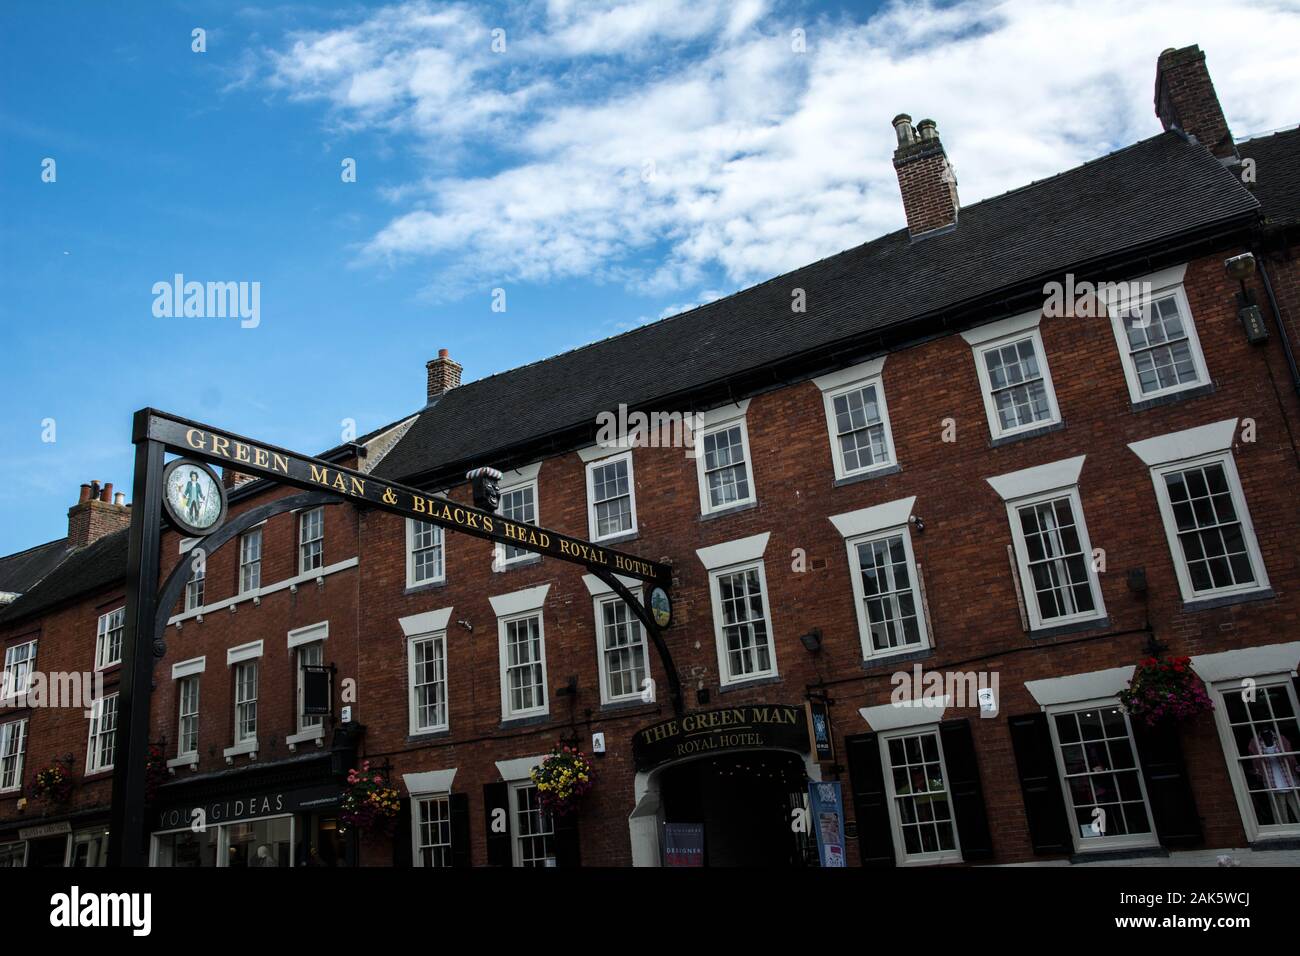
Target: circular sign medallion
[(661, 607), (194, 497)]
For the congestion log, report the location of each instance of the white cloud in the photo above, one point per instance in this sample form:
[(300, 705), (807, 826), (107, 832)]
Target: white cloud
[(690, 135)]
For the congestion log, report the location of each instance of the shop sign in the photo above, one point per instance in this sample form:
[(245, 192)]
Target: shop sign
[(45, 830), (250, 807), (729, 728)]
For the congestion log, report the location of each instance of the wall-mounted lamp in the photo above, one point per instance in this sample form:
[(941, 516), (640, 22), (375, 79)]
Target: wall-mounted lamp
[(1137, 580), (812, 641), (1241, 268), (916, 522)]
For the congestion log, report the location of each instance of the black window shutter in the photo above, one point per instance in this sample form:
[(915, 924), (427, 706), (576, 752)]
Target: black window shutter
[(566, 840), (458, 805), (870, 801), (496, 797), (402, 835), (1170, 792), (966, 791), (1049, 830)]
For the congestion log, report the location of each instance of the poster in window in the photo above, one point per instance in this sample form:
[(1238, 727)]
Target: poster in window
[(826, 806)]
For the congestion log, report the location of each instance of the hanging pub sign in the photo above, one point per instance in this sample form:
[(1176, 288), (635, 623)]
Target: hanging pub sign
[(661, 607), (193, 496), (749, 726), (820, 740)]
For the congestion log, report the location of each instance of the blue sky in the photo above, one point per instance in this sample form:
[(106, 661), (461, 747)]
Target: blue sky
[(608, 164)]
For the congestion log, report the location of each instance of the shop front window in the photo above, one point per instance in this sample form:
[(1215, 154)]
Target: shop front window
[(251, 843), (89, 848), (259, 843), (12, 854)]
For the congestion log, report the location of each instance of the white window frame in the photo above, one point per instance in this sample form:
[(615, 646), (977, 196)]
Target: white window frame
[(418, 800), (901, 856), (1254, 830), (507, 713), (103, 631), (440, 547), (726, 678), (11, 688), (1036, 620), (191, 680), (307, 725), (516, 837), (303, 543), (995, 423), (247, 565), (1163, 284), (241, 738), (859, 592), (20, 731), (97, 709), (412, 709), (591, 494), (598, 603), (1226, 459), (838, 384), (196, 585), (501, 562), (1099, 843), (720, 420)]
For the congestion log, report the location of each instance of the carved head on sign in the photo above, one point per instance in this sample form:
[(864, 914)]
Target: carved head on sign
[(487, 488)]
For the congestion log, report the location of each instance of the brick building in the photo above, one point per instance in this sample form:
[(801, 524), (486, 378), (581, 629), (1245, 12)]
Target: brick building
[(61, 633), (914, 461), (931, 467)]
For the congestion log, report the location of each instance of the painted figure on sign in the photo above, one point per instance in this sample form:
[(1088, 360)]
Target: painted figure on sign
[(193, 497), (487, 488)]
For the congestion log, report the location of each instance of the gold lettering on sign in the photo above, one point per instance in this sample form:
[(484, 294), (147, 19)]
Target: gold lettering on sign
[(221, 446), (358, 486), (320, 475), (241, 452), (260, 457), (281, 462), (189, 438)]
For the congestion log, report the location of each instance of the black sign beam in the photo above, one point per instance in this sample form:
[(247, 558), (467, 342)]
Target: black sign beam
[(267, 461)]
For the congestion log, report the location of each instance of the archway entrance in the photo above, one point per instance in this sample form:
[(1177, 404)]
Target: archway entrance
[(745, 802)]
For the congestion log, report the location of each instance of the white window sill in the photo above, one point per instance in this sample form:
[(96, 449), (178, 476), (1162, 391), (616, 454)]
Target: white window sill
[(313, 734), (247, 747), (184, 760)]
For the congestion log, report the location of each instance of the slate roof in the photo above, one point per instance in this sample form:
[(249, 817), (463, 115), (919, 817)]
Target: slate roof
[(1277, 175), (1135, 198), (20, 572), (97, 566)]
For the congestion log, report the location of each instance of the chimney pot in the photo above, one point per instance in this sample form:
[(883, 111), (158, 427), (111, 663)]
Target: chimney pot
[(119, 499), (107, 494), (85, 493), (928, 130), (903, 127)]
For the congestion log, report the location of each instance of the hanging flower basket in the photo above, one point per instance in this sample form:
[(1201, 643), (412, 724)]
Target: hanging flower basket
[(53, 783), (1163, 692), (563, 779), (370, 805)]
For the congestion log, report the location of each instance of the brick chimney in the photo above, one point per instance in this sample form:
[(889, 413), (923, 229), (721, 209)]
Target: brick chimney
[(1185, 100), (97, 513), (444, 375), (925, 177), (233, 479)]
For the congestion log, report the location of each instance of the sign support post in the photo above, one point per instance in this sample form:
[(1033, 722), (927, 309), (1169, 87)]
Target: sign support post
[(126, 826)]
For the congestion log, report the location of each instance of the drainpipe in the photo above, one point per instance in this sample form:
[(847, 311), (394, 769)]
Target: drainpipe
[(1281, 327)]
